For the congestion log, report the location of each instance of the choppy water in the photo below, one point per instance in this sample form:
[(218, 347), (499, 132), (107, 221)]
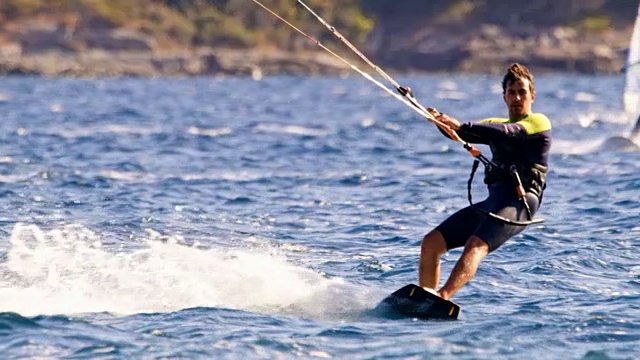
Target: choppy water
[(229, 218)]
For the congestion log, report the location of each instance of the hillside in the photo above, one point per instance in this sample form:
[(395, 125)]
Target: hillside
[(195, 37), (589, 36)]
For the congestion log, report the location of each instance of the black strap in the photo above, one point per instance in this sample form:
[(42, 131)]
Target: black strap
[(474, 168)]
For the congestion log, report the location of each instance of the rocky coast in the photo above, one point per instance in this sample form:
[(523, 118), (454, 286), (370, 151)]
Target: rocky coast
[(54, 49)]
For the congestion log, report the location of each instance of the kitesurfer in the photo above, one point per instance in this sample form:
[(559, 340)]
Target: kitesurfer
[(520, 148)]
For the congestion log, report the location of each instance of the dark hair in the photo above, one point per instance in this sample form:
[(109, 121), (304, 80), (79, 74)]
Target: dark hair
[(514, 72)]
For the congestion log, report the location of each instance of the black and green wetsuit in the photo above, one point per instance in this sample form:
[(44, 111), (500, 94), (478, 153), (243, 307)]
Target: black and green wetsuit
[(524, 143)]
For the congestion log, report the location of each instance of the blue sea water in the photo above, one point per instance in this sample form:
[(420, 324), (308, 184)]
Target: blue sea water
[(233, 218)]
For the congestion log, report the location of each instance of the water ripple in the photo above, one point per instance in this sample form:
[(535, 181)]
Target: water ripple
[(172, 218)]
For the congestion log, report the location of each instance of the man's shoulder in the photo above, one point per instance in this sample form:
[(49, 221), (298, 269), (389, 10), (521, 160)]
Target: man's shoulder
[(538, 117), (536, 122), (533, 123)]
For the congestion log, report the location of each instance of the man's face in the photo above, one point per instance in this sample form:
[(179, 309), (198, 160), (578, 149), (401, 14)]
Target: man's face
[(518, 98)]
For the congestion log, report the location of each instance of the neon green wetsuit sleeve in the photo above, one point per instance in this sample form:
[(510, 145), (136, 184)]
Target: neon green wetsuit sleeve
[(527, 140), (532, 123)]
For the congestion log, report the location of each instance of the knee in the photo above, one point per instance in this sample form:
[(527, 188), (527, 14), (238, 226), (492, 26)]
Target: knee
[(476, 245), (433, 243)]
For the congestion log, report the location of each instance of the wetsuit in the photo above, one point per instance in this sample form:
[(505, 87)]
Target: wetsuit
[(524, 143)]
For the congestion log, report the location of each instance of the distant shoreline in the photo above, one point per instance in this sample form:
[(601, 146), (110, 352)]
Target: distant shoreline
[(209, 62), (487, 51), (172, 38)]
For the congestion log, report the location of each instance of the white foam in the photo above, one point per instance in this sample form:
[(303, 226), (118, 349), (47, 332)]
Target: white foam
[(215, 132), (290, 129), (576, 146), (69, 271)]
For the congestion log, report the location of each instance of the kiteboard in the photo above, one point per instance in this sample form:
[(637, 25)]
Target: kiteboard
[(416, 302)]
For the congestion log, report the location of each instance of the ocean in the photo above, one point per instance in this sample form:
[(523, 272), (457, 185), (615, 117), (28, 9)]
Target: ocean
[(227, 218)]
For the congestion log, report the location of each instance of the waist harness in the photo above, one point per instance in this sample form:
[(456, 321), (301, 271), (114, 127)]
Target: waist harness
[(525, 179)]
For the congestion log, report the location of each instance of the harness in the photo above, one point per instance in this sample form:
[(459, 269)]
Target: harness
[(535, 181)]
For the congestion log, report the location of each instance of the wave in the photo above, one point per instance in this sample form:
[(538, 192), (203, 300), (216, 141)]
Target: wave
[(70, 270)]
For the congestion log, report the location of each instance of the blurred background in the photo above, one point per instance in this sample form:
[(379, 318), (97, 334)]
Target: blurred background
[(238, 37)]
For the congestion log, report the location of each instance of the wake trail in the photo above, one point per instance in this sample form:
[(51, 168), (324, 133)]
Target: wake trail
[(69, 271)]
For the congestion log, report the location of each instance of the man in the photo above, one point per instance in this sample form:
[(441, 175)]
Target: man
[(520, 143)]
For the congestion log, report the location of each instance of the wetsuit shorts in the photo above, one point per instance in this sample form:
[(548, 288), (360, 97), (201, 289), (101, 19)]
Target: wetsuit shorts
[(502, 201)]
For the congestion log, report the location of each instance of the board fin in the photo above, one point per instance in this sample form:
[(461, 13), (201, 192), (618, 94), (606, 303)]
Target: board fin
[(414, 301)]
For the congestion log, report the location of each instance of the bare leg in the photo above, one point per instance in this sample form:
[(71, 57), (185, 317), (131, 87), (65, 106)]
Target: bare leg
[(474, 252), (433, 245)]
